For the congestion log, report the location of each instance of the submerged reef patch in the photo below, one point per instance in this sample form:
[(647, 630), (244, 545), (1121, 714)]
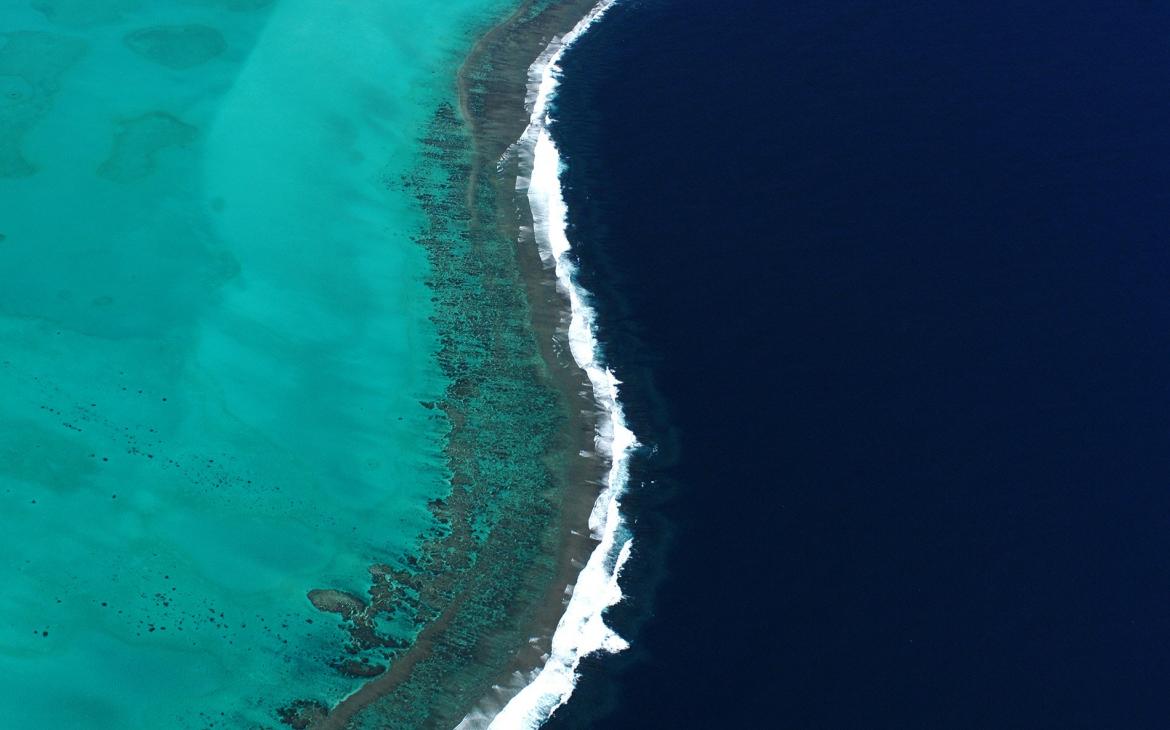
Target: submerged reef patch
[(177, 46), (31, 65), (138, 142), (302, 714), (84, 13)]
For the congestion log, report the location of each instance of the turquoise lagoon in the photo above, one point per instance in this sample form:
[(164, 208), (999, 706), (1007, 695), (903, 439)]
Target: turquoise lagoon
[(215, 344)]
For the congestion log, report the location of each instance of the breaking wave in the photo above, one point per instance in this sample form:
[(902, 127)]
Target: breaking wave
[(581, 630)]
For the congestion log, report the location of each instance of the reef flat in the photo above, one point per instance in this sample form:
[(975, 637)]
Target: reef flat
[(521, 449)]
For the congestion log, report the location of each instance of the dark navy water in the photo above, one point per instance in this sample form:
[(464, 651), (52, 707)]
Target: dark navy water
[(889, 286)]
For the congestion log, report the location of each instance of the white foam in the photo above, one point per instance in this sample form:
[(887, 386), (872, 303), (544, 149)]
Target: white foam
[(581, 631)]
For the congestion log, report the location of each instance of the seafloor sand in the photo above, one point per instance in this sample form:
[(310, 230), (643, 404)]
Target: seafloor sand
[(219, 387)]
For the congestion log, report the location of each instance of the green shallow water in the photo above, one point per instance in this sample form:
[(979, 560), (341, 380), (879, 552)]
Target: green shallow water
[(215, 345)]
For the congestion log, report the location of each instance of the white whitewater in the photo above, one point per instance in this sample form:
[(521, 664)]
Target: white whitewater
[(581, 630)]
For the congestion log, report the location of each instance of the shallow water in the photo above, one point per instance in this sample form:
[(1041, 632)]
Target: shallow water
[(214, 344)]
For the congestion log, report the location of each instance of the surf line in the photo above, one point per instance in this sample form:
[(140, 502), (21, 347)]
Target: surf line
[(581, 630)]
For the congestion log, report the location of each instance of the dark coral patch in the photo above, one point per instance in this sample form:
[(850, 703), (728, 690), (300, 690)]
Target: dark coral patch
[(359, 669), (302, 714), (331, 601)]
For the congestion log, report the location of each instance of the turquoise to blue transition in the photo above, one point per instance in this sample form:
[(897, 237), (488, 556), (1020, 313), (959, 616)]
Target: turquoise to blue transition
[(215, 344)]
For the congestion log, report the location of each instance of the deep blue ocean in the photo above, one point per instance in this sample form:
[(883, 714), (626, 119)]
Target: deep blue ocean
[(889, 288)]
